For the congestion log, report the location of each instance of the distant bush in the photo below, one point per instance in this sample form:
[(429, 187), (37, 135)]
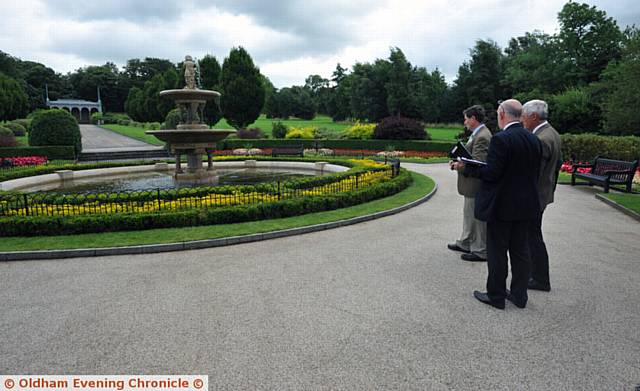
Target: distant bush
[(323, 133), (251, 133), (587, 146), (55, 127), (573, 111), (7, 139), (400, 128), (172, 119), (278, 129), (109, 118), (17, 129), (26, 123), (360, 131), (299, 133)]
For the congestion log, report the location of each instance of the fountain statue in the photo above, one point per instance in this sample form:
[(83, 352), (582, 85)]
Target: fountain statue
[(192, 137)]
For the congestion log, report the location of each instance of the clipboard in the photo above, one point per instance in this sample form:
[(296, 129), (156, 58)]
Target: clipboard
[(472, 162), (460, 151)]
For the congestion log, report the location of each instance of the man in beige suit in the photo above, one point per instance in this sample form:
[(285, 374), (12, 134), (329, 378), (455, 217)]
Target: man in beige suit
[(534, 118), (473, 241)]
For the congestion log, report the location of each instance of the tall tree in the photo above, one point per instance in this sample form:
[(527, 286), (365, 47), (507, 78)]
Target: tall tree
[(589, 40), (400, 95), (242, 89), (13, 100)]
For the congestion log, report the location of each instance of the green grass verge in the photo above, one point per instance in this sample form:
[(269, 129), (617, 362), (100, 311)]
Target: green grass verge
[(565, 179), (444, 134), (134, 132), (629, 201), (421, 186)]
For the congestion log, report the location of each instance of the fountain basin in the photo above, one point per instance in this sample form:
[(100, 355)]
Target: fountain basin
[(190, 94), (186, 137)]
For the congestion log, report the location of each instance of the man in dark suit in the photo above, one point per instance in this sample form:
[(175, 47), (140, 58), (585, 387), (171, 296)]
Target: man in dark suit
[(534, 118), (508, 202), (473, 240)]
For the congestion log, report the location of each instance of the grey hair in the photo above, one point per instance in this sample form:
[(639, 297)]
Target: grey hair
[(536, 106), (510, 109)]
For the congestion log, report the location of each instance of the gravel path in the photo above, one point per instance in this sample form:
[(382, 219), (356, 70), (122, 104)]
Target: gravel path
[(95, 139), (378, 305)]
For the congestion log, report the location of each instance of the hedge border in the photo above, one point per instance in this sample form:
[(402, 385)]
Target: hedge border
[(404, 145), (58, 152)]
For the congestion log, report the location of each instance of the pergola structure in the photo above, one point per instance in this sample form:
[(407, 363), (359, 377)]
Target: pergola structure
[(80, 109)]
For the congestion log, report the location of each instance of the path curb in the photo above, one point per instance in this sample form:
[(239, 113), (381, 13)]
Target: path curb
[(207, 243), (621, 208)]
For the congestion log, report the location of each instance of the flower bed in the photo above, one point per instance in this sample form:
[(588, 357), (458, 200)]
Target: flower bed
[(8, 162), (568, 167)]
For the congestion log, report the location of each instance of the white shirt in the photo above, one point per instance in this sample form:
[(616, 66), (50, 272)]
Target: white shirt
[(476, 130), (509, 124), (539, 126)]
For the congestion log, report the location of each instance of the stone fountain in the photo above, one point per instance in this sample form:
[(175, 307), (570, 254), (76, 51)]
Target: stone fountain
[(192, 137)]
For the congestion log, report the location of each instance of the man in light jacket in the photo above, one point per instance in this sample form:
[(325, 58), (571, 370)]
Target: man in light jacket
[(534, 118), (473, 240)]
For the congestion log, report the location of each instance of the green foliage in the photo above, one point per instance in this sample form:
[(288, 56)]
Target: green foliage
[(51, 152), (172, 119), (278, 129), (400, 128), (400, 94), (85, 83), (55, 127), (377, 145), (298, 133), (588, 146), (242, 88), (210, 77), (26, 123), (16, 128), (7, 138), (360, 131), (13, 99), (573, 112)]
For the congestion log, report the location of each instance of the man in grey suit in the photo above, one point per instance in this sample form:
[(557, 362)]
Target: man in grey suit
[(473, 241), (534, 118)]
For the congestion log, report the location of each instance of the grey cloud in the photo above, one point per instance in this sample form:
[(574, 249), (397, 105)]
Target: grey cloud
[(132, 10)]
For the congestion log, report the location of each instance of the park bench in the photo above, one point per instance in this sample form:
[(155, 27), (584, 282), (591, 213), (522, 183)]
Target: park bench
[(606, 172), (288, 151)]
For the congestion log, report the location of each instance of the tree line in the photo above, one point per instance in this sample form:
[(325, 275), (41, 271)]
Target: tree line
[(587, 72)]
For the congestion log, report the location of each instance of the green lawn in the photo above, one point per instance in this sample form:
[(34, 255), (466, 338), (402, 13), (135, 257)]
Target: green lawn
[(629, 201), (320, 121), (134, 132), (23, 141), (421, 186)]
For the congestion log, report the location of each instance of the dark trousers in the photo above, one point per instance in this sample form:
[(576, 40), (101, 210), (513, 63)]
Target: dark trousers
[(539, 255), (512, 237)]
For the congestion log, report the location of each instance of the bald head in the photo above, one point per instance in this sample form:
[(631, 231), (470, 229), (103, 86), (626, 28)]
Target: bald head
[(509, 111)]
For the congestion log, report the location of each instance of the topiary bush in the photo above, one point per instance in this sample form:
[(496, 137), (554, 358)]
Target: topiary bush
[(360, 131), (17, 129), (251, 133), (172, 119), (55, 127), (300, 133), (26, 123), (400, 128), (7, 139), (278, 129)]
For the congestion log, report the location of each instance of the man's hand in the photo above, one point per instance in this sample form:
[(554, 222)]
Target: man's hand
[(458, 166)]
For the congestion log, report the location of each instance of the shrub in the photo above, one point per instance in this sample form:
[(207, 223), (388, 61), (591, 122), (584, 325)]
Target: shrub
[(252, 133), (155, 125), (588, 146), (573, 111), (400, 128), (26, 123), (17, 129), (278, 129), (7, 138), (360, 131), (55, 127), (299, 133), (323, 133), (172, 119)]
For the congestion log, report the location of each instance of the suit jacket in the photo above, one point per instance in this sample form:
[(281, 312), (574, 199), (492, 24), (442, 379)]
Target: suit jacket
[(509, 190), (550, 164), (478, 146)]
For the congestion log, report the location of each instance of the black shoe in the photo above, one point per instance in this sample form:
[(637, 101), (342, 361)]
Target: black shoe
[(483, 297), (455, 247), (516, 302), (538, 286), (472, 258)]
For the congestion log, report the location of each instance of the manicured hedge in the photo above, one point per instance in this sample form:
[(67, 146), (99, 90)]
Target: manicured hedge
[(57, 152), (588, 146), (35, 226), (399, 145)]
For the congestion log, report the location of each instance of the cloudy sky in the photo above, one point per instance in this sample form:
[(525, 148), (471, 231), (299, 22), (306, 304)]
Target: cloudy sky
[(288, 39)]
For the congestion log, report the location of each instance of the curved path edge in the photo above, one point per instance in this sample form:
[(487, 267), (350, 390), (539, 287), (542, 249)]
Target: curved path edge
[(619, 207), (206, 243)]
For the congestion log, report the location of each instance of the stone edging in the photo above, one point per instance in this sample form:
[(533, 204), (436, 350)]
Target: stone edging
[(621, 208), (207, 243)]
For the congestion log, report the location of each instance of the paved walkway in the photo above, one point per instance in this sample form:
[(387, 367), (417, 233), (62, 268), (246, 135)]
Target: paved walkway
[(378, 305), (95, 139)]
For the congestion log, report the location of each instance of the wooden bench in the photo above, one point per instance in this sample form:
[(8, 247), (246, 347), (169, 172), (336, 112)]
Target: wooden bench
[(606, 172), (288, 151)]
